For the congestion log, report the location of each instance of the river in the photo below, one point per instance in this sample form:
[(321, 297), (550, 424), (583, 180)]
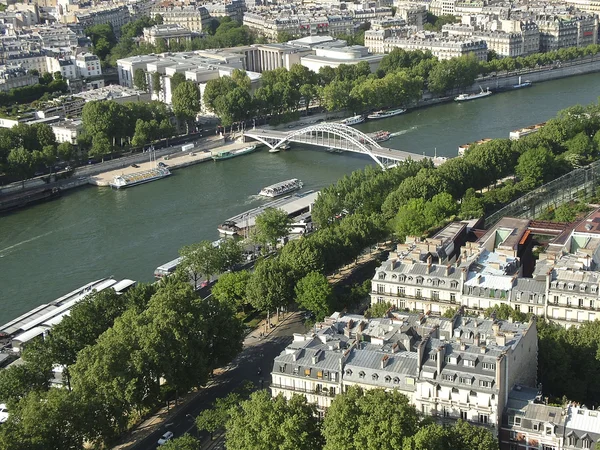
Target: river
[(50, 249)]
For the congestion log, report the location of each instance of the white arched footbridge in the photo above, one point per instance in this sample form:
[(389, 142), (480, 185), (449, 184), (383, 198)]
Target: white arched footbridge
[(333, 135)]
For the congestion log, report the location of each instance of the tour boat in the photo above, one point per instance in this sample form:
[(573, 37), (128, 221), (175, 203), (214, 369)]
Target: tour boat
[(380, 136), (466, 97), (354, 120), (281, 188), (386, 113), (524, 84), (233, 153), (145, 176)]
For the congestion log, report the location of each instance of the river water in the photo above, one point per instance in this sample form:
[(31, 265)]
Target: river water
[(50, 249)]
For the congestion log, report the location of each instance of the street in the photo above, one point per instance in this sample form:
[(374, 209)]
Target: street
[(257, 353)]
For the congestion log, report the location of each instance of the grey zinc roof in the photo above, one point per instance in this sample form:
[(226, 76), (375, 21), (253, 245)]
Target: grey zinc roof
[(398, 365), (582, 420)]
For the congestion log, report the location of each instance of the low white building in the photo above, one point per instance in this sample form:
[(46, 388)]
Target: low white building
[(67, 131), (334, 57)]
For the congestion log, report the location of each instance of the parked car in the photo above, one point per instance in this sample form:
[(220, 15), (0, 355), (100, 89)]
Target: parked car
[(135, 165), (165, 438)]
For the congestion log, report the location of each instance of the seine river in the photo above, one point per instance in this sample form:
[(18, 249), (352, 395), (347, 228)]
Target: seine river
[(50, 249)]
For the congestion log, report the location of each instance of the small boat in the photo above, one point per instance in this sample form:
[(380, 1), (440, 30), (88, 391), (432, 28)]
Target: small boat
[(334, 150), (228, 228), (354, 120), (386, 113), (281, 188), (381, 136), (233, 153), (466, 97), (524, 84)]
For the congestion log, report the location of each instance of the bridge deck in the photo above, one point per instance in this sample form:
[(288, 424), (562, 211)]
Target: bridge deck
[(382, 152)]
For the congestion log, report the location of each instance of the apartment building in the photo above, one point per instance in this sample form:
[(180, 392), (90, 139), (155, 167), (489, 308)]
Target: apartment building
[(88, 65), (528, 423), (65, 66), (458, 368), (413, 14), (12, 77), (117, 16), (193, 18), (441, 46), (563, 32)]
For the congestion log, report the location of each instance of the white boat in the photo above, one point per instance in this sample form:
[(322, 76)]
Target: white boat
[(145, 176), (354, 120), (278, 149), (334, 150), (281, 188), (466, 97), (386, 113), (523, 84)]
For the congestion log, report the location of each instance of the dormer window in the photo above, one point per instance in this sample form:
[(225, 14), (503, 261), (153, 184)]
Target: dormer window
[(375, 377), (571, 286), (561, 285), (582, 288), (553, 284), (361, 375), (419, 280), (394, 276), (586, 443), (382, 275), (594, 289), (348, 372), (388, 379), (396, 380), (402, 278), (454, 284)]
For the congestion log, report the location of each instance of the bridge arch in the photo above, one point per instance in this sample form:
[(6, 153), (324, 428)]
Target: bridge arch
[(360, 142)]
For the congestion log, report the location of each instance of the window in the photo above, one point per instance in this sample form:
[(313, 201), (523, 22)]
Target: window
[(452, 297), (433, 356), (556, 299), (536, 427), (375, 377), (492, 293), (401, 291), (485, 383), (465, 380), (586, 443), (581, 303), (518, 308), (282, 368), (468, 363), (381, 289), (488, 366), (349, 372), (418, 293), (548, 430), (454, 284), (319, 374), (382, 275), (396, 380), (447, 377), (530, 309), (445, 412), (518, 421), (307, 372), (484, 418), (571, 440), (435, 295), (463, 415), (388, 379), (361, 374), (419, 280)]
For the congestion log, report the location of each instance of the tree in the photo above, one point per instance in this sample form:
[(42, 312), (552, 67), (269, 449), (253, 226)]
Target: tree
[(269, 287), (176, 80), (231, 288), (139, 80), (216, 418), (100, 146), (465, 436), (21, 162), (373, 420), (379, 309), (314, 293), (231, 254), (156, 82), (185, 442), (267, 423), (65, 151), (200, 260), (271, 225), (186, 102), (535, 166), (430, 437)]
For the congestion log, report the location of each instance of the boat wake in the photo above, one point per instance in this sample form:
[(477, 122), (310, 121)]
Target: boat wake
[(401, 132), (5, 251)]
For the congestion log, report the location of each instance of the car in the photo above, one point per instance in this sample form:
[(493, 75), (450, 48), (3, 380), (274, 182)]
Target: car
[(135, 165), (162, 164), (165, 438), (3, 413)]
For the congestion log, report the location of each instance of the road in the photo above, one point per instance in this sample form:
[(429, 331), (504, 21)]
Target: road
[(257, 353)]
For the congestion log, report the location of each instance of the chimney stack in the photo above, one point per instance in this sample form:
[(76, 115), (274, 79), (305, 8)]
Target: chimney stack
[(448, 267), (501, 339), (440, 358), (384, 361)]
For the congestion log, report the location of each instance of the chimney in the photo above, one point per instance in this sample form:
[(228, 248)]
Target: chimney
[(463, 347), (496, 328), (448, 267), (482, 349), (420, 352), (429, 259), (476, 340), (440, 358), (395, 348), (384, 361), (501, 339)]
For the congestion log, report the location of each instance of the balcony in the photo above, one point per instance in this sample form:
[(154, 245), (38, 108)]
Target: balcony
[(323, 392), (413, 297)]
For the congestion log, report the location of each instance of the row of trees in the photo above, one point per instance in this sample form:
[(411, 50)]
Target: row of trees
[(373, 419), (120, 355), (47, 86)]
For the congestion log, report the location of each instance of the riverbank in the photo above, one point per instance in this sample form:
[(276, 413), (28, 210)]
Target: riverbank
[(173, 161)]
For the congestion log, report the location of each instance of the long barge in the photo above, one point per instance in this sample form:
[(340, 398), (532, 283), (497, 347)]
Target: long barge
[(21, 199), (294, 205), (522, 132)]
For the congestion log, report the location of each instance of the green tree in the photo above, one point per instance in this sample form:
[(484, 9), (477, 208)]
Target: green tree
[(535, 166), (430, 437), (373, 419), (314, 293), (176, 80), (268, 423), (65, 151), (271, 225), (186, 102), (185, 442), (379, 310), (139, 80), (200, 260), (21, 162), (465, 436), (100, 146), (231, 288), (156, 82), (270, 287), (216, 418)]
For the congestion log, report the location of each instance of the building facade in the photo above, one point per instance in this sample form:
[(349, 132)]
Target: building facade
[(458, 368), (192, 18)]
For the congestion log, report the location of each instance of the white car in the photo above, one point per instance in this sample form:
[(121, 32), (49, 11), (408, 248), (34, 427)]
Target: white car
[(3, 413), (165, 438)]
